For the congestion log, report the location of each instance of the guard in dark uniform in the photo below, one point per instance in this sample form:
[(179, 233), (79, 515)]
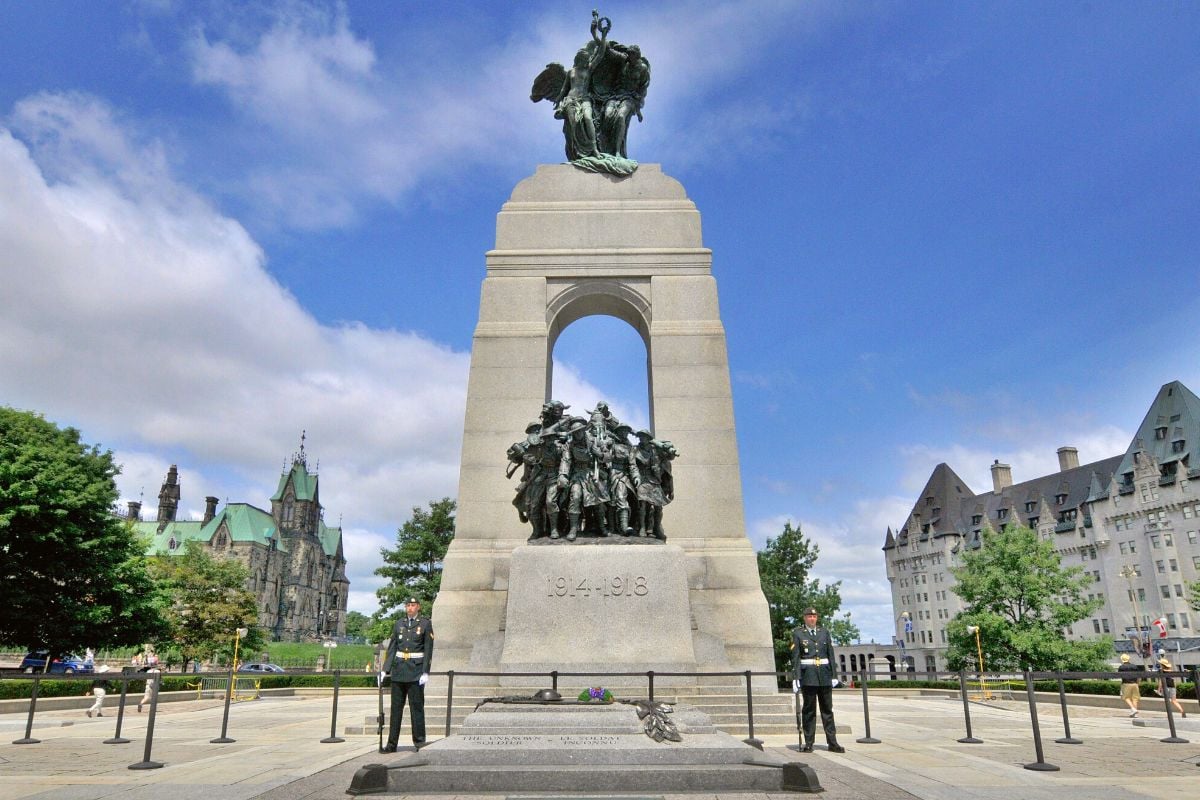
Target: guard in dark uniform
[(407, 663), (812, 664)]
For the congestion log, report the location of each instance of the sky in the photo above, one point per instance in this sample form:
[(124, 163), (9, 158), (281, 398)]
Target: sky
[(941, 231)]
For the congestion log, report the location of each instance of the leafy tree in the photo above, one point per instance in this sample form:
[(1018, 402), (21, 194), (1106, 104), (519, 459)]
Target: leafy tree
[(1022, 598), (1194, 596), (784, 565), (414, 567), (72, 574), (357, 623), (207, 603)]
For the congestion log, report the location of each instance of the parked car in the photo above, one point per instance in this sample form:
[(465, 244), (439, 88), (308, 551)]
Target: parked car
[(35, 661), (260, 667)]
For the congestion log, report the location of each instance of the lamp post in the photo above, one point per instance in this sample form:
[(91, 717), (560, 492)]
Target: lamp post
[(979, 649), (1128, 573), (237, 638)]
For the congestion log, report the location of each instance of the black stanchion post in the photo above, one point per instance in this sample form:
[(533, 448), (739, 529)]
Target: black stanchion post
[(650, 681), (962, 688), (1040, 765), (333, 738), (28, 738), (1062, 701), (868, 739), (554, 679), (1173, 738), (146, 763), (750, 740), (450, 698), (116, 737), (223, 739)]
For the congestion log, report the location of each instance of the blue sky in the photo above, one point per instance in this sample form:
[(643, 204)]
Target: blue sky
[(941, 232)]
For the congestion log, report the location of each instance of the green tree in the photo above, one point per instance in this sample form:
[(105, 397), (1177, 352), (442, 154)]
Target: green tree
[(72, 574), (414, 566), (207, 602), (1022, 598), (784, 565), (1194, 596), (357, 623)]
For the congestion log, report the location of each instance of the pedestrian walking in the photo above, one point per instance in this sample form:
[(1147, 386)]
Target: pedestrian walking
[(99, 690), (148, 693), (1130, 692), (1168, 685)]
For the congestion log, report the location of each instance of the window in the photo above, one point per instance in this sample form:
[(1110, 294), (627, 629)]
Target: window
[(1160, 432), (1174, 565), (1191, 537), (1033, 521), (1191, 510), (1096, 625), (1168, 540), (1154, 542), (1161, 566), (1030, 506), (1149, 492), (1179, 590), (1177, 446), (1104, 625), (1133, 546), (1096, 575), (976, 519), (1183, 620), (1171, 621), (1060, 498), (1166, 591), (1142, 594), (1137, 570), (1124, 548), (1001, 513), (1196, 562)]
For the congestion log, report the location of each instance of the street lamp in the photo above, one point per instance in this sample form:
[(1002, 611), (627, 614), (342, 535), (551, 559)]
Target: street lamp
[(1128, 573), (979, 649), (237, 638)]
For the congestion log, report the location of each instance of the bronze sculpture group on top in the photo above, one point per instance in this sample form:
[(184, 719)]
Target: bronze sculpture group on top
[(581, 476), (596, 98)]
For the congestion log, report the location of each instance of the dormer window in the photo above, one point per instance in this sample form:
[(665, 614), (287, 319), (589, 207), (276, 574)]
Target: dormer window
[(1060, 498), (1001, 513), (1160, 432), (936, 511), (929, 500), (976, 519), (1177, 446), (1030, 505)]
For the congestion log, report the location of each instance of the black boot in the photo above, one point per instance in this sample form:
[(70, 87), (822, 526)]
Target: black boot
[(834, 747)]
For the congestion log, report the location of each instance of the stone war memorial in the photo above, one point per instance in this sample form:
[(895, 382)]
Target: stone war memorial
[(581, 545)]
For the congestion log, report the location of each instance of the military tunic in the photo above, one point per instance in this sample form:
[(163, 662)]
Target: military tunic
[(409, 656), (813, 665)]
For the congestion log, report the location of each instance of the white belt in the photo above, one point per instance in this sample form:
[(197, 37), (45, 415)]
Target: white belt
[(411, 656), (813, 662)]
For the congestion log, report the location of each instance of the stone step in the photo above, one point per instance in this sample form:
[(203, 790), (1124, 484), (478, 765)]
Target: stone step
[(569, 778)]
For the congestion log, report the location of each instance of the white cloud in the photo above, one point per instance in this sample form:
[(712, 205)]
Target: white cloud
[(345, 125), (850, 552), (135, 311)]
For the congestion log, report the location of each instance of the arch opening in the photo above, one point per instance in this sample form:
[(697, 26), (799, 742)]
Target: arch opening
[(601, 357)]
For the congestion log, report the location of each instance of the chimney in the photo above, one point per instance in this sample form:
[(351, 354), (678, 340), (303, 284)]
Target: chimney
[(1068, 458), (135, 510), (210, 509), (1001, 476)]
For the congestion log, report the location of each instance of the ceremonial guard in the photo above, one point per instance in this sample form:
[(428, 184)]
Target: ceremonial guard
[(812, 663), (408, 659)]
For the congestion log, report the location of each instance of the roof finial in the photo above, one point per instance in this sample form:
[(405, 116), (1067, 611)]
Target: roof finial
[(299, 457)]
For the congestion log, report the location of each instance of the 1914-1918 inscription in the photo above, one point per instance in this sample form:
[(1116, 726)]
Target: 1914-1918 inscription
[(616, 586)]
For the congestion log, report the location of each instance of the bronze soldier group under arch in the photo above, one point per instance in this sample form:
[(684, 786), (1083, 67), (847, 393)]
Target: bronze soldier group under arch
[(581, 476)]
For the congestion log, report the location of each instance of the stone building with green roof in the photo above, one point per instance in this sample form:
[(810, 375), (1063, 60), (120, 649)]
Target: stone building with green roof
[(295, 561)]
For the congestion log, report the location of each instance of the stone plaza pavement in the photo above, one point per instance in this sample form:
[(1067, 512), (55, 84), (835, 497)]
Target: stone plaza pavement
[(278, 753)]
